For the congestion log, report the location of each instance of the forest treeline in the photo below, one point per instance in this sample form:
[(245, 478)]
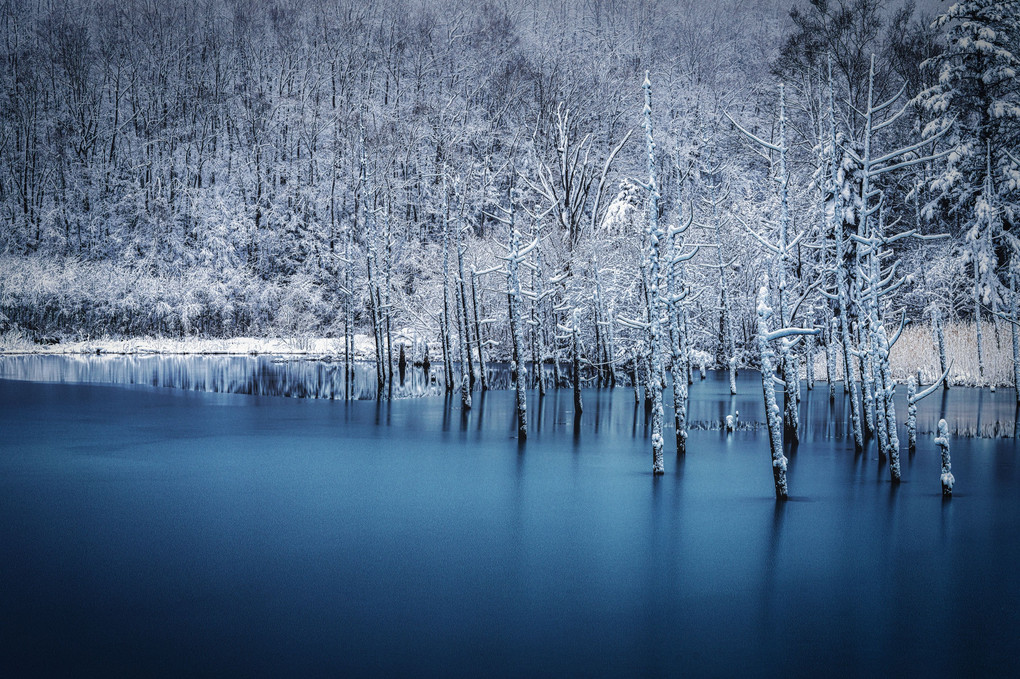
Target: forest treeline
[(240, 167)]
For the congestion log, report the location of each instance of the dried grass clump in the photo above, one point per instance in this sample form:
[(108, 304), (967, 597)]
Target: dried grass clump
[(916, 350)]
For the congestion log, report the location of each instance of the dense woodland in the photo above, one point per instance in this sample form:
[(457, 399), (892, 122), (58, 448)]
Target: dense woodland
[(492, 177)]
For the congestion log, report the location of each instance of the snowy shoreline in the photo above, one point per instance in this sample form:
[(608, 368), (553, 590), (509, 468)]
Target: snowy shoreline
[(237, 346), (914, 352)]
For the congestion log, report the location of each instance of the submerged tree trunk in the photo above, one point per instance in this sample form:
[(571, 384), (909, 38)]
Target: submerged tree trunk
[(516, 330), (538, 329), (677, 325), (913, 396), (844, 297), (575, 332), (830, 361), (848, 376), (1015, 337), (604, 334), (809, 360), (652, 301), (349, 317), (868, 387), (462, 312), (791, 394), (942, 441), (940, 338), (772, 417), (465, 370), (387, 281), (680, 394), (888, 387), (478, 331), (447, 340), (377, 330), (977, 320), (911, 416), (635, 376)]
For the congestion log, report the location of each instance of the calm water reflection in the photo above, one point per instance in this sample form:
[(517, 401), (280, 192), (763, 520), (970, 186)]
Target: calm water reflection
[(176, 533)]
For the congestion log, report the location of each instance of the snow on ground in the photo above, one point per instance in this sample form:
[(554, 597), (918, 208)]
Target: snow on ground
[(302, 346), (914, 351)]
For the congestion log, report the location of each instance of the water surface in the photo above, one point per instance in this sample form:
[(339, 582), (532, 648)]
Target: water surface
[(172, 532)]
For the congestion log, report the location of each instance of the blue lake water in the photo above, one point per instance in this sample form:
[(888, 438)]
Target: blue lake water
[(153, 531)]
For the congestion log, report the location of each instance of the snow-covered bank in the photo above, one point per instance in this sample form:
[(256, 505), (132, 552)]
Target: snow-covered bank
[(15, 343), (915, 351)]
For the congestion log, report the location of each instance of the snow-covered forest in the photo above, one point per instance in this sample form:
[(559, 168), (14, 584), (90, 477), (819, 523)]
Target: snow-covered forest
[(501, 180)]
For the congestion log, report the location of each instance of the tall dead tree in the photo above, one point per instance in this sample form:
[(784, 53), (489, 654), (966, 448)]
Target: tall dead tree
[(873, 245), (767, 359), (781, 252)]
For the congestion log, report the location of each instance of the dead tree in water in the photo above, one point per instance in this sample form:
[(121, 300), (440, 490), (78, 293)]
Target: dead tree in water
[(913, 396), (444, 323), (781, 251), (679, 347), (465, 371), (464, 327), (575, 348), (873, 243), (768, 378), (482, 375), (727, 344), (940, 341), (651, 275), (516, 255), (942, 441)]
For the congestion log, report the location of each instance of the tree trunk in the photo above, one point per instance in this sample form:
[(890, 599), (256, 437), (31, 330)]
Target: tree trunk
[(516, 331), (772, 417), (478, 332), (942, 441), (940, 338), (575, 332)]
